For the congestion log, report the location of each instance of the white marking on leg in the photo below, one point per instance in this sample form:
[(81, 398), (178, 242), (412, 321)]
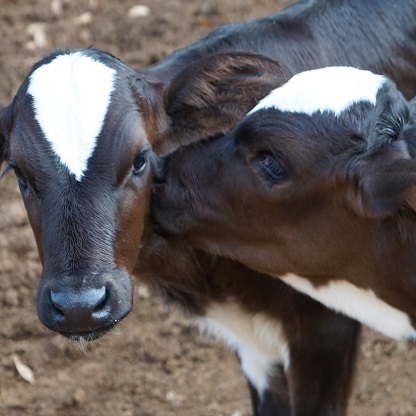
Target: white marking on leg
[(357, 303), (327, 89), (258, 340), (71, 96)]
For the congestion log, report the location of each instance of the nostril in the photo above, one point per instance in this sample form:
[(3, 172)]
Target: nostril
[(102, 303), (103, 306), (56, 300), (98, 297), (85, 302)]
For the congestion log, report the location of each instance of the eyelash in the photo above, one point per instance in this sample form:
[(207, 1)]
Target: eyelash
[(270, 169)]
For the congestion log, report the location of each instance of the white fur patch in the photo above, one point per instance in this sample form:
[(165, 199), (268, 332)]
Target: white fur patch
[(360, 304), (258, 340), (71, 95), (332, 89)]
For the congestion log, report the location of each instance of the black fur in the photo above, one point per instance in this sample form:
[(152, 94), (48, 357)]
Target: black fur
[(314, 27)]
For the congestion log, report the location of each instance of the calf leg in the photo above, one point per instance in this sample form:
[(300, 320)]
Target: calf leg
[(275, 400), (323, 355), (323, 349)]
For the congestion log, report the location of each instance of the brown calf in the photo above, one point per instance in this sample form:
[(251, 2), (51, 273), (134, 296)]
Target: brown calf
[(316, 187)]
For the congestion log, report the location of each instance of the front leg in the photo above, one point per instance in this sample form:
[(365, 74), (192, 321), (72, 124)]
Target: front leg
[(275, 400), (322, 366)]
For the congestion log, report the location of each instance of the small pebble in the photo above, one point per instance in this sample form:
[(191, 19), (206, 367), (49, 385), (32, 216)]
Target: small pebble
[(83, 19), (56, 7), (79, 397), (139, 10), (11, 297), (38, 32)]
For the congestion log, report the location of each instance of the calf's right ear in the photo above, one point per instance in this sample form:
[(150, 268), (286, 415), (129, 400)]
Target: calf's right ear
[(212, 95)]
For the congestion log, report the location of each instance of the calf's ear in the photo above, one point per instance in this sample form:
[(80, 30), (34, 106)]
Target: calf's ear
[(392, 113), (209, 97), (386, 189), (386, 179)]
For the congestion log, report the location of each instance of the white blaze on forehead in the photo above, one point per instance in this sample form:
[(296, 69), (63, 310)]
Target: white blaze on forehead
[(71, 95), (331, 89), (360, 304)]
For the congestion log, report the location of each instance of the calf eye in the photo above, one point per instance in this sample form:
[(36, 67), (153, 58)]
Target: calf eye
[(270, 168), (139, 164)]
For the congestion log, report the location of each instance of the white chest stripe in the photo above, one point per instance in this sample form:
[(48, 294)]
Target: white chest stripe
[(332, 89), (359, 304), (71, 96), (258, 340)]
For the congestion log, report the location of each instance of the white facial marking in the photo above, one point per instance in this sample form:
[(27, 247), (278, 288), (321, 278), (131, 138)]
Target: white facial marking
[(332, 89), (258, 340), (359, 304), (71, 95)]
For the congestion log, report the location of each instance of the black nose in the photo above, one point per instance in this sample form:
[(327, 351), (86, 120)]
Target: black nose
[(84, 304), (90, 307)]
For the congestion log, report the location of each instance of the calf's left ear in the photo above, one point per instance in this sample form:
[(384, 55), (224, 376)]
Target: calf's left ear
[(386, 189), (209, 97), (391, 114), (386, 179)]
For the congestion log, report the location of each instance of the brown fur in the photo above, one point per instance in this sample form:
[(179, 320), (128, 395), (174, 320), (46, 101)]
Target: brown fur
[(342, 210)]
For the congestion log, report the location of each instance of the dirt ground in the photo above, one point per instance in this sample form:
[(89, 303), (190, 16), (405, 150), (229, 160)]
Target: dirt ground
[(154, 363)]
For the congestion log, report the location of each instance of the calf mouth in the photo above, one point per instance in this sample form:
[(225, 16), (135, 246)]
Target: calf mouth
[(89, 336), (86, 336)]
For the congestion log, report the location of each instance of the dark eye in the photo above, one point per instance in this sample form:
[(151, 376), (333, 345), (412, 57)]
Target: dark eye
[(270, 168), (139, 164)]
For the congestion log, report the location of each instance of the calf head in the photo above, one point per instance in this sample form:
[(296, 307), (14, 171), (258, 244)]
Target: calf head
[(303, 183), (79, 136)]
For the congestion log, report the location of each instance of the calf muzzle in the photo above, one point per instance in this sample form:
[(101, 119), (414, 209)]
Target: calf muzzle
[(84, 306)]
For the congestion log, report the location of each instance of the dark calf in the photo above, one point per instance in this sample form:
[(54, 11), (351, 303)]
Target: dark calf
[(315, 186)]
